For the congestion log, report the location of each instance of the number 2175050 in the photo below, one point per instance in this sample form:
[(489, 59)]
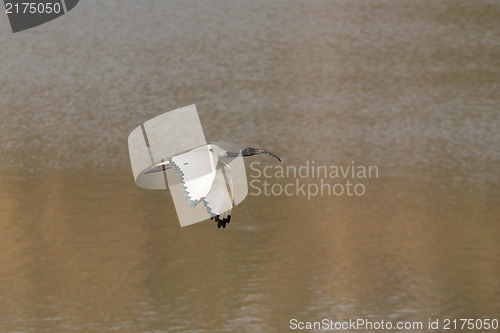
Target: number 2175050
[(32, 8), (470, 324)]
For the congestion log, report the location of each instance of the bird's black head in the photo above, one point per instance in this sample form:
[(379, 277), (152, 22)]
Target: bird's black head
[(250, 151), (254, 151)]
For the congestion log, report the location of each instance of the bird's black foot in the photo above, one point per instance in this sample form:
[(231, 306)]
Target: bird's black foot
[(221, 222)]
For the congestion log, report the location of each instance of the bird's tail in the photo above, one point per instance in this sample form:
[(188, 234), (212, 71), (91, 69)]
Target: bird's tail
[(154, 169), (159, 167)]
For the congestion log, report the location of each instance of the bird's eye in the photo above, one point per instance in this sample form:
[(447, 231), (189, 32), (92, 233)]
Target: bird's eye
[(212, 150)]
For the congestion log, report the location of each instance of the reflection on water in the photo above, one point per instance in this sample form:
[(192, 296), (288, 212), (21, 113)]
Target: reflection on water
[(81, 252), (410, 87)]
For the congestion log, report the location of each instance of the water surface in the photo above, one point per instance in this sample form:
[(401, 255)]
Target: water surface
[(411, 87)]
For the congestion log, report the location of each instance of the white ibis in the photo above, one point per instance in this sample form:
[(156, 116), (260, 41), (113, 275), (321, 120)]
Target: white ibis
[(205, 178)]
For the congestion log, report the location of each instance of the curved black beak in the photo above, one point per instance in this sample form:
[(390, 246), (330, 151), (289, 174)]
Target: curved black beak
[(253, 151), (273, 155)]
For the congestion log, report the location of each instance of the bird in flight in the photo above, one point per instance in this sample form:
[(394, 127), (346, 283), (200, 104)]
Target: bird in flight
[(206, 178)]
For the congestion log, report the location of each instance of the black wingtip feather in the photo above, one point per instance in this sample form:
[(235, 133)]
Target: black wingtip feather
[(221, 222)]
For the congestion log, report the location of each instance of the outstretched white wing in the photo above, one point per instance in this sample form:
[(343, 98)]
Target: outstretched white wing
[(197, 171), (219, 200)]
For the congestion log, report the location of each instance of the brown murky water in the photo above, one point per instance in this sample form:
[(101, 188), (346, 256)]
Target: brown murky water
[(411, 87)]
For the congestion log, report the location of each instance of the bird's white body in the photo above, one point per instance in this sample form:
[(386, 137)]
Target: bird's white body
[(204, 177)]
